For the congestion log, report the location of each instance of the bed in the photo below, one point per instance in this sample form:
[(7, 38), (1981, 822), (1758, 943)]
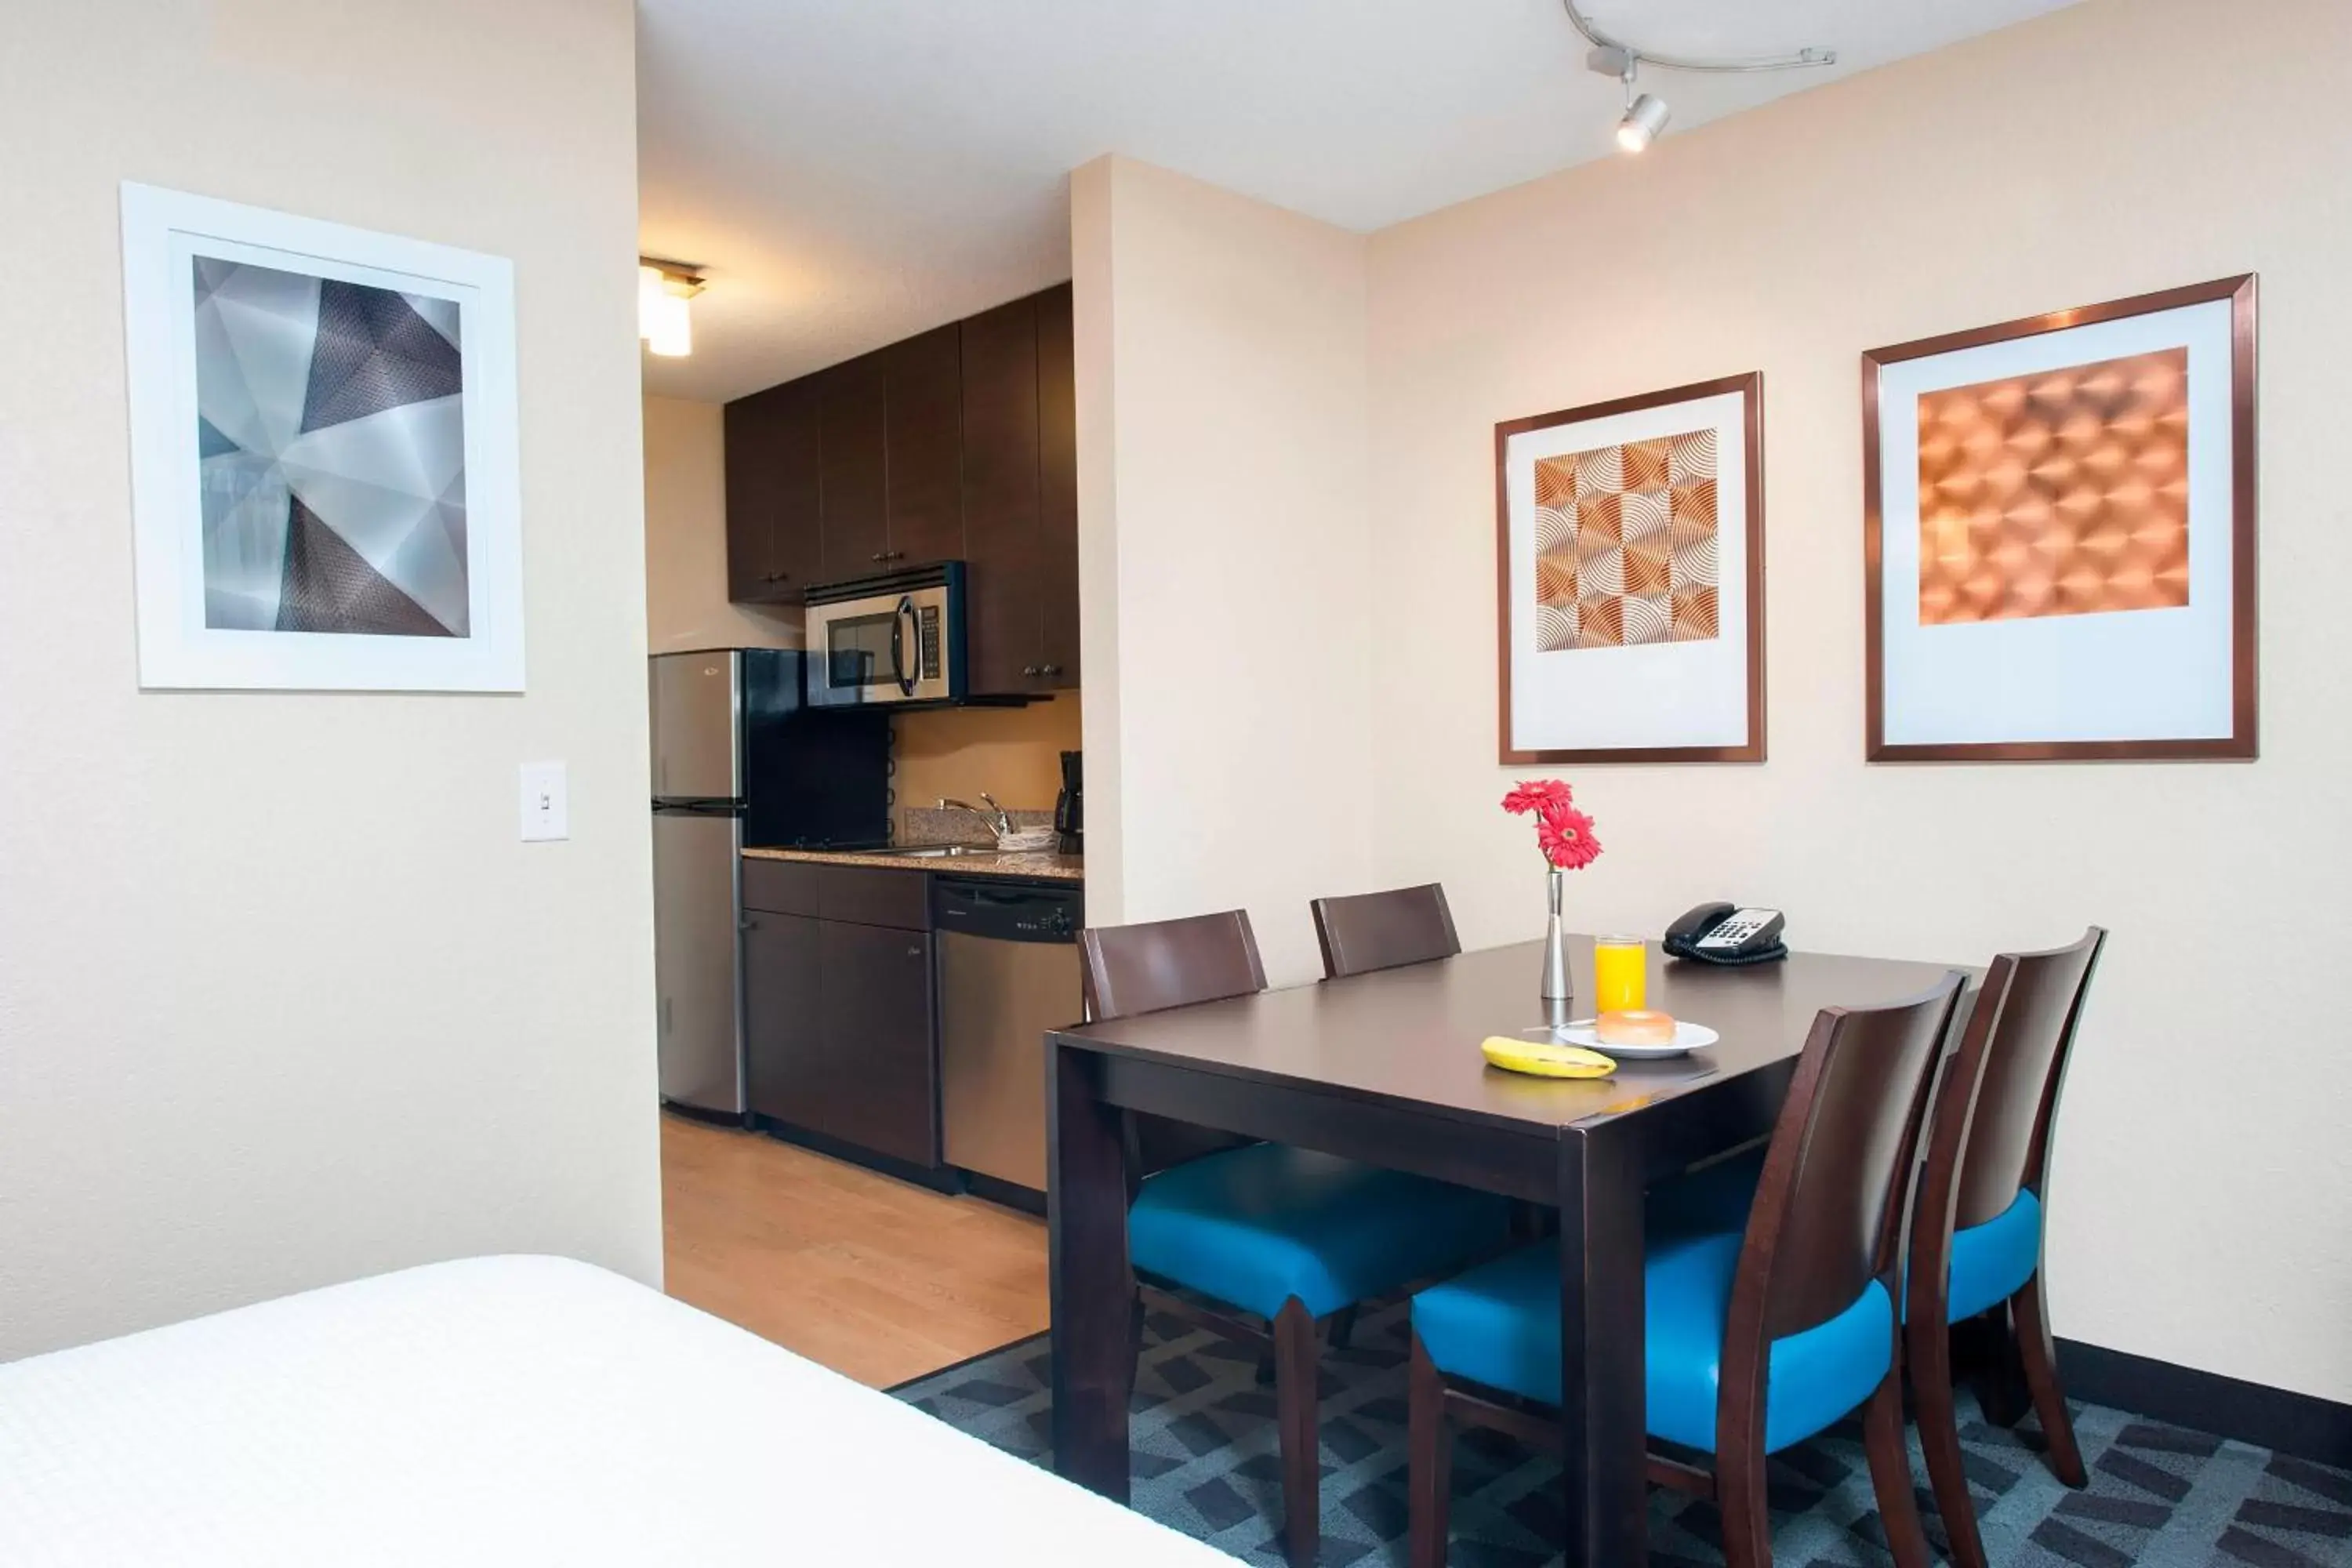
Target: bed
[(507, 1410)]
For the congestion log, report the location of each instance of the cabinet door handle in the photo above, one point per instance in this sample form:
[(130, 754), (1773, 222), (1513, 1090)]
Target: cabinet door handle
[(878, 556), (1030, 670), (1049, 670)]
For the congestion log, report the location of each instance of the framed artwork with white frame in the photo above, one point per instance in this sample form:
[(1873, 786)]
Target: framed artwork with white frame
[(2058, 519), (325, 487), (1630, 578)]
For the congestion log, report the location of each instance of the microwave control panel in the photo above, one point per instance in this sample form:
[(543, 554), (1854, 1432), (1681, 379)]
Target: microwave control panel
[(928, 643)]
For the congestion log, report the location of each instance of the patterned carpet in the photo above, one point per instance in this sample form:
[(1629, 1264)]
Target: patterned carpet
[(1205, 1463)]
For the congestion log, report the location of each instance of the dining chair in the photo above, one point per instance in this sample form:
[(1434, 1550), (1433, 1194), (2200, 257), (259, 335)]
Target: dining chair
[(1363, 932), (1291, 1236), (1757, 1337), (1977, 1220)]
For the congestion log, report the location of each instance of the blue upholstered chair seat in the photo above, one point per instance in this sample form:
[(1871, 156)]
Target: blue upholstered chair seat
[(1993, 1261), (1499, 1325), (1990, 1262), (1257, 1225)]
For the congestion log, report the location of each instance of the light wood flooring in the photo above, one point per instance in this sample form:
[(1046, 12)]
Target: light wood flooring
[(874, 1277)]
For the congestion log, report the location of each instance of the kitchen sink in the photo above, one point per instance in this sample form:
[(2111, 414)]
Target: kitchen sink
[(935, 851)]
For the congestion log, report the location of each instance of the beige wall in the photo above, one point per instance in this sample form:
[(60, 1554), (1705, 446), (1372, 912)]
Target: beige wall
[(1013, 754), (2203, 1188), (685, 538), (1226, 612), (282, 999)]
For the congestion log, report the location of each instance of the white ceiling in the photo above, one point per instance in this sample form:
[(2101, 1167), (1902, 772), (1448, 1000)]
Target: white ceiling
[(850, 172)]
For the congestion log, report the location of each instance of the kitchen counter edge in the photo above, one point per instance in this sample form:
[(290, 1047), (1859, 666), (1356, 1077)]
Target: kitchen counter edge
[(1049, 867)]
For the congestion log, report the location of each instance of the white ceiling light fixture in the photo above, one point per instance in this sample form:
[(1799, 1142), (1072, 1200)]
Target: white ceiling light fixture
[(663, 321), (1645, 114)]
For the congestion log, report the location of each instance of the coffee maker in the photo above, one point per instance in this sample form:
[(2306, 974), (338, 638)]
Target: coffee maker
[(1069, 809)]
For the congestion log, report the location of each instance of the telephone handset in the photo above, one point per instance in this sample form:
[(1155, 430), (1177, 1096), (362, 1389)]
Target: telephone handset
[(1726, 933)]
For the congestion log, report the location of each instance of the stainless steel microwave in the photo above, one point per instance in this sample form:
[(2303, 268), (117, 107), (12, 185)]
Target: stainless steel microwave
[(898, 638)]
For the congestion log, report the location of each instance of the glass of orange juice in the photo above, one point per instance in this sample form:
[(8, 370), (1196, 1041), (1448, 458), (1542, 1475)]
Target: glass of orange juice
[(1621, 974)]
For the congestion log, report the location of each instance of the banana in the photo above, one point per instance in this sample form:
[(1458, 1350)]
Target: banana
[(1545, 1060)]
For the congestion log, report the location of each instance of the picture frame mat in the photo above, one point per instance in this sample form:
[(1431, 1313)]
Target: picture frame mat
[(2050, 341), (2145, 674), (1632, 701), (164, 232)]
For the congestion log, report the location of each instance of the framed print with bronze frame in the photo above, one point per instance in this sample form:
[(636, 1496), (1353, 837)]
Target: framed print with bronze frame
[(1630, 578), (2059, 535)]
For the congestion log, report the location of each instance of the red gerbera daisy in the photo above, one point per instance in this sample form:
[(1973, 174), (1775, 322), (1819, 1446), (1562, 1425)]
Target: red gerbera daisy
[(1565, 836), (1535, 794)]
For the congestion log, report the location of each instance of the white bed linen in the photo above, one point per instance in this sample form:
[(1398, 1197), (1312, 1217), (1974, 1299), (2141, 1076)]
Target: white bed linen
[(507, 1410)]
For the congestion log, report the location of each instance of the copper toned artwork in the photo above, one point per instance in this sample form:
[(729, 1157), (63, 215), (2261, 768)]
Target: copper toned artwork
[(2060, 493), (1625, 544), (1667, 585), (2116, 541)]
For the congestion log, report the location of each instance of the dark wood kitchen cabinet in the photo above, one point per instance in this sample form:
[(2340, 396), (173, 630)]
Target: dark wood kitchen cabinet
[(853, 511), (959, 442), (1021, 496), (874, 1018), (1002, 600), (838, 1005), (783, 1056), (1057, 487), (922, 428), (774, 549)]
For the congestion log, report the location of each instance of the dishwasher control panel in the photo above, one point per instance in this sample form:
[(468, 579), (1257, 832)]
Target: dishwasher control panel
[(1003, 911)]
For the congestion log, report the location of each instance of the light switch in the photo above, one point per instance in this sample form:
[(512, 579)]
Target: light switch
[(546, 807)]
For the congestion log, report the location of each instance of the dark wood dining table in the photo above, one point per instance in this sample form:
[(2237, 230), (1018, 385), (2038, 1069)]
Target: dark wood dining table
[(1385, 1067)]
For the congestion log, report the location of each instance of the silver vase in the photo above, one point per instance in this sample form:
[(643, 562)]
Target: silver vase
[(1557, 987)]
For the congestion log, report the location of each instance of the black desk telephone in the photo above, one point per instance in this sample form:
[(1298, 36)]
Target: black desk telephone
[(1723, 934)]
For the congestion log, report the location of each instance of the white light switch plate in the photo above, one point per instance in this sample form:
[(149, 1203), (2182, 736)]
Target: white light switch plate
[(546, 803)]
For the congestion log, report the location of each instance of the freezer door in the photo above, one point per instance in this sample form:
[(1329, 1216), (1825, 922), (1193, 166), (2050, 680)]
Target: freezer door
[(695, 698), (697, 874)]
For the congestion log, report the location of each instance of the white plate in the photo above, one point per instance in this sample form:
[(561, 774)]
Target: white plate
[(1688, 1036)]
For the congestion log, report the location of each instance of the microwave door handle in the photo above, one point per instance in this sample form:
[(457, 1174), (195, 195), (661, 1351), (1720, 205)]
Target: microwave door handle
[(900, 621)]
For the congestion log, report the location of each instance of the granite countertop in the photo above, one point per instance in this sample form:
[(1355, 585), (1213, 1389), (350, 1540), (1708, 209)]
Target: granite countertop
[(1045, 866)]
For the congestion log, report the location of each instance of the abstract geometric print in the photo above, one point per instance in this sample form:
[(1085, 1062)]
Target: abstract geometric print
[(1625, 544), (331, 444), (2062, 493)]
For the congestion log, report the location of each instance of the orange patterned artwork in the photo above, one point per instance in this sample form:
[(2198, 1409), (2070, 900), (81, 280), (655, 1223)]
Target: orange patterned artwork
[(1625, 544), (2062, 493)]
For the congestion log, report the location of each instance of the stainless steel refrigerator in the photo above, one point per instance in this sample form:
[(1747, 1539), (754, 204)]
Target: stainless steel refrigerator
[(738, 760)]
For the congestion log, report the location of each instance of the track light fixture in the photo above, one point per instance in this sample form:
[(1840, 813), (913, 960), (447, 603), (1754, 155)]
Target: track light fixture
[(1644, 117), (1646, 113)]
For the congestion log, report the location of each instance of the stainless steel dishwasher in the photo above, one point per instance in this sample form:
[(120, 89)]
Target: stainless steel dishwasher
[(1008, 972)]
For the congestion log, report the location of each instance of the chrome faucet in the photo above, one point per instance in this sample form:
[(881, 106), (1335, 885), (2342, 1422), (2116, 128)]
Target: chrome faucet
[(1000, 825)]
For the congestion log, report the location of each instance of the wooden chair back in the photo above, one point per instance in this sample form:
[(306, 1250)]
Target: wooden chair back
[(1158, 965), (1989, 1132), (1169, 964), (1363, 932), (1827, 1218)]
